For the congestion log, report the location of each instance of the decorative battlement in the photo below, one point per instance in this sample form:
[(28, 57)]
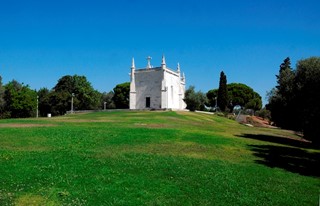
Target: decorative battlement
[(163, 66)]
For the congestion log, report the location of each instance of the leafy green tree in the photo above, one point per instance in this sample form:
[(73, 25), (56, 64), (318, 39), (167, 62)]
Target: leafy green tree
[(107, 98), (255, 103), (238, 94), (307, 90), (194, 100), (264, 113), (2, 102), (44, 102), (281, 102), (294, 102), (84, 96), (212, 97), (60, 102), (285, 78), (20, 100), (245, 96), (121, 95), (223, 92)]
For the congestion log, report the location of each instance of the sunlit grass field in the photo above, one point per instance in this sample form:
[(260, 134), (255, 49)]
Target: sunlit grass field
[(153, 158)]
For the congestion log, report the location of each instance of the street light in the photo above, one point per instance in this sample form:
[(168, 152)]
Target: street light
[(72, 103), (216, 103), (37, 106)]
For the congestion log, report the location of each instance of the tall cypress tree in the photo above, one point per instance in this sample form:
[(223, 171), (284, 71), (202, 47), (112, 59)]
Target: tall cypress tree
[(222, 92)]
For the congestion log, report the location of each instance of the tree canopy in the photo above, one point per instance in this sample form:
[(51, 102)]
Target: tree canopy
[(245, 96), (212, 97), (44, 101), (238, 94), (282, 96), (307, 87), (194, 100), (121, 95), (2, 102), (107, 99), (85, 97), (294, 102), (20, 100)]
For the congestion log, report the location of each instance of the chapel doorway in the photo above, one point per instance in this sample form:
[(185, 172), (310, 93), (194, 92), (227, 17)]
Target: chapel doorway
[(147, 102)]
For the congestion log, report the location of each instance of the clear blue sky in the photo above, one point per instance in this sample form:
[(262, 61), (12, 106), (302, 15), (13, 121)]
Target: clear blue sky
[(41, 41)]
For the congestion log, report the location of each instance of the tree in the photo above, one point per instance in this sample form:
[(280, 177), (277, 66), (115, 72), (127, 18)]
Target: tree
[(20, 100), (44, 102), (121, 95), (307, 87), (238, 94), (294, 102), (2, 102), (285, 77), (107, 98), (212, 96), (263, 113), (84, 96), (194, 100), (223, 92), (255, 103), (60, 102), (3, 113), (281, 102), (245, 96)]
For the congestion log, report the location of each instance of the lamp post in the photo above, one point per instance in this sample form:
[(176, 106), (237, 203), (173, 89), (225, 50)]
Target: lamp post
[(72, 103), (216, 103), (104, 105), (37, 113)]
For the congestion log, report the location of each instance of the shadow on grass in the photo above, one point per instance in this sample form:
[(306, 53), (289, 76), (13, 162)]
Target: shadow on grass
[(280, 140), (296, 160)]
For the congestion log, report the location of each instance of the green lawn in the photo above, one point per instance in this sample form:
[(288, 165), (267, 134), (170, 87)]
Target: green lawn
[(153, 158)]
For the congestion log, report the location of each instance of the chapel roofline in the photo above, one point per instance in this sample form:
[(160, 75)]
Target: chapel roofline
[(163, 67), (150, 67), (157, 69)]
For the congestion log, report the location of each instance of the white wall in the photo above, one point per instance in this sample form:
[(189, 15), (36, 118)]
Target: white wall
[(162, 85), (148, 84), (173, 89)]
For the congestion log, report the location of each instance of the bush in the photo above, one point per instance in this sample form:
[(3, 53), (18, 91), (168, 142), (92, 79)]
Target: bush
[(195, 100), (263, 113)]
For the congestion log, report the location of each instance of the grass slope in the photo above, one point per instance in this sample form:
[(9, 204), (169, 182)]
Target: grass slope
[(153, 158)]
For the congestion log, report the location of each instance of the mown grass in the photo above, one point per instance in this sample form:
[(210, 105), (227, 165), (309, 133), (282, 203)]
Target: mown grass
[(153, 158)]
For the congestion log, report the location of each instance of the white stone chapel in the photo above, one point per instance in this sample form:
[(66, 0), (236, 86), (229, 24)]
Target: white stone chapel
[(157, 87)]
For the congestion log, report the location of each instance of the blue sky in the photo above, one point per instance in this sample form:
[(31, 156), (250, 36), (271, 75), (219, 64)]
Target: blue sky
[(41, 41)]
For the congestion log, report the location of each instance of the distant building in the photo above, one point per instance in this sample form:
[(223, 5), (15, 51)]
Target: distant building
[(157, 87)]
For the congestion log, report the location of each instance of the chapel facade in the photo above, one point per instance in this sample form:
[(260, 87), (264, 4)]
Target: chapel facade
[(157, 87)]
